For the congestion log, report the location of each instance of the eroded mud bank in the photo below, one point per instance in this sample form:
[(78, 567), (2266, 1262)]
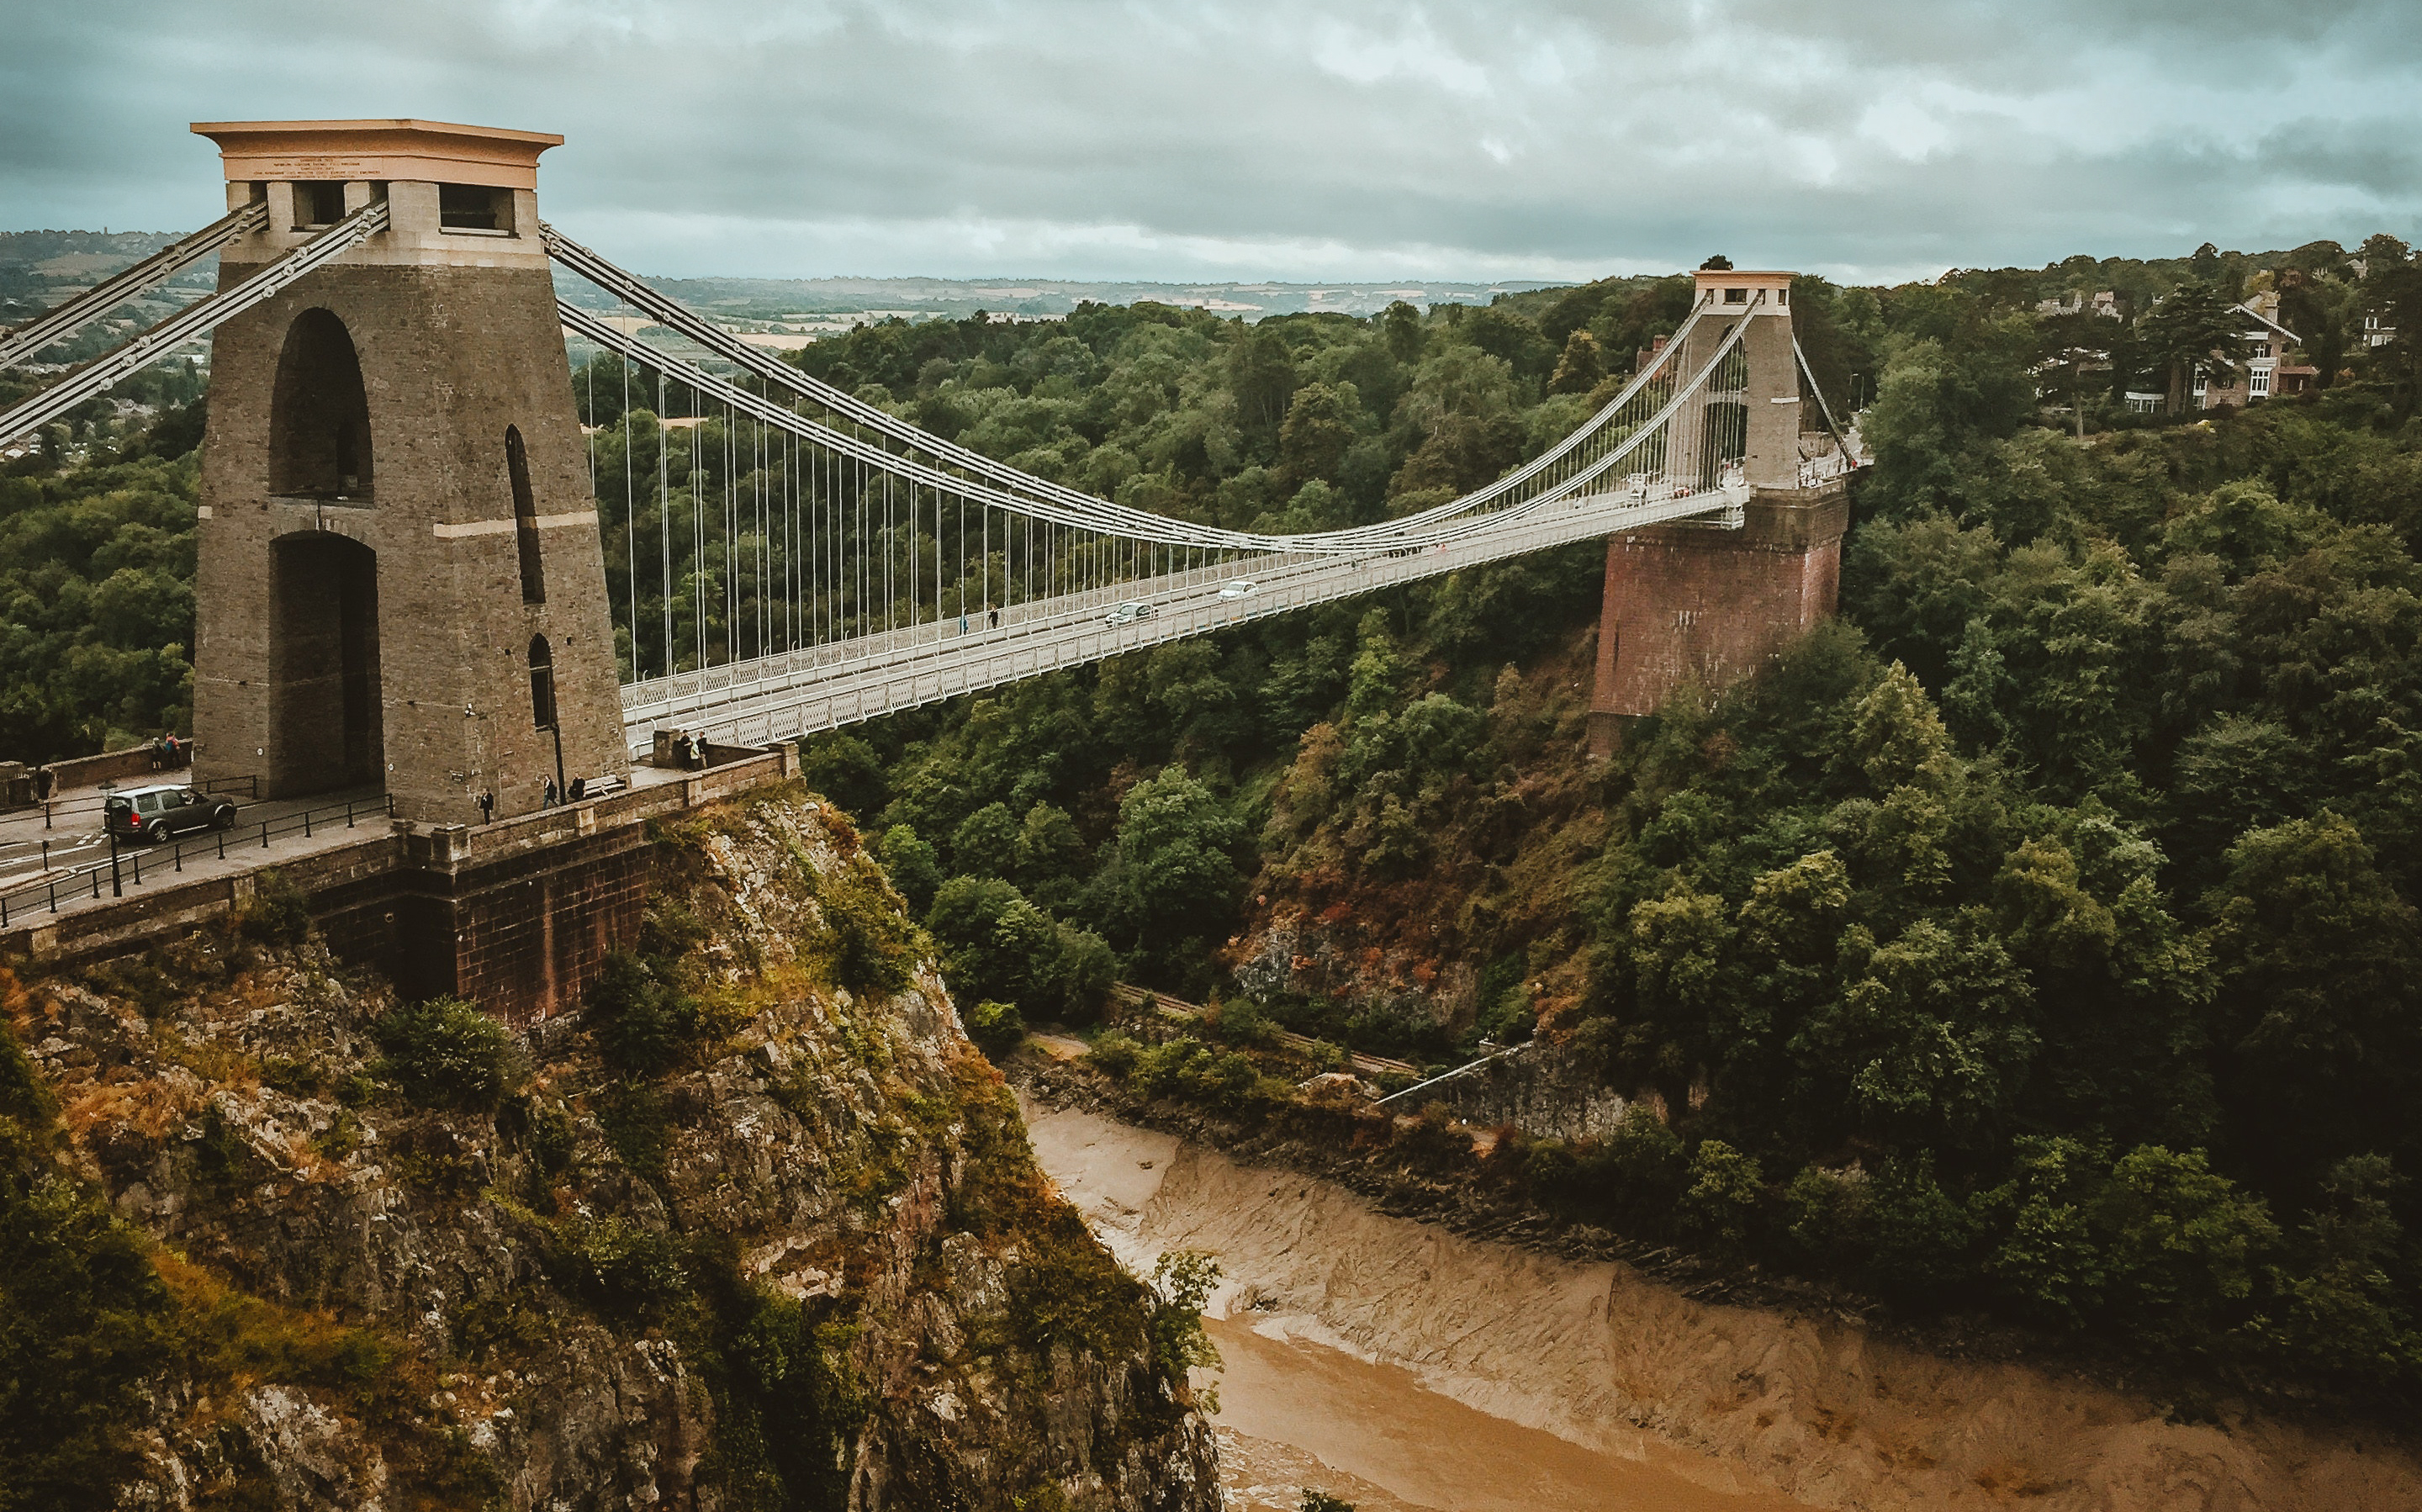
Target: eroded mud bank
[(1685, 1404)]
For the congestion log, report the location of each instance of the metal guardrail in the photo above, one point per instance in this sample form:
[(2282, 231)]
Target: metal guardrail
[(125, 868), (54, 810)]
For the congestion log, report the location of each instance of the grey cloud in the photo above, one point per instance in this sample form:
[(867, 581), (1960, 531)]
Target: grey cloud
[(1259, 138)]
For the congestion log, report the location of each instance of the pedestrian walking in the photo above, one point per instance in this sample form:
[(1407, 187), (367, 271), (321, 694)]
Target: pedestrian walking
[(487, 806), (552, 796)]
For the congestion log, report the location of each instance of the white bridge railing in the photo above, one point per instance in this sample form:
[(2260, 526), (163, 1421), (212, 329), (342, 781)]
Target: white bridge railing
[(804, 692)]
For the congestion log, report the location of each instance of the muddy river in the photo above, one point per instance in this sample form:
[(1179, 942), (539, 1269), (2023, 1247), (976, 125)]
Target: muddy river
[(1297, 1412), (1397, 1366)]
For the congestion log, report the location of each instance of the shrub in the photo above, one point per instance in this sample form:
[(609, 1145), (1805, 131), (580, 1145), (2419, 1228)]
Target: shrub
[(1636, 1174), (788, 1403), (1827, 1216), (1183, 1280), (844, 769), (2182, 1245), (1431, 1141), (911, 864), (618, 1266), (1114, 1053), (642, 1023), (1547, 1167), (81, 1314), (1188, 1069), (447, 1053), (279, 912), (996, 944), (633, 1117), (552, 1141), (996, 1028), (872, 946), (1922, 1236), (1720, 1203), (1241, 1021)]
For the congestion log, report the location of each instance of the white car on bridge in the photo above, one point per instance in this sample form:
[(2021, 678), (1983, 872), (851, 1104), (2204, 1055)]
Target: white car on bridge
[(1241, 588), (1129, 613)]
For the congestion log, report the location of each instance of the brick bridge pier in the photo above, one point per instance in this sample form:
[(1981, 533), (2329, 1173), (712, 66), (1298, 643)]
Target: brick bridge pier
[(1706, 604)]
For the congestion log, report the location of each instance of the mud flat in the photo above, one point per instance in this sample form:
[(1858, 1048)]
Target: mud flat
[(1400, 1366)]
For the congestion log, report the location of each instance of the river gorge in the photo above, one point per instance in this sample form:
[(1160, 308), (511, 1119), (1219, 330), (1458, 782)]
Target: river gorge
[(1398, 1366)]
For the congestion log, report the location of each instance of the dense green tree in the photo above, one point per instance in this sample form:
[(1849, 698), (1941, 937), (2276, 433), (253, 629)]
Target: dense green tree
[(2194, 331), (911, 864), (1320, 426), (1580, 367), (2321, 963), (997, 946)]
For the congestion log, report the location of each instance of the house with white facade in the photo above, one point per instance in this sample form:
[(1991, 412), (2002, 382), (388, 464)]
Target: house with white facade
[(2264, 370)]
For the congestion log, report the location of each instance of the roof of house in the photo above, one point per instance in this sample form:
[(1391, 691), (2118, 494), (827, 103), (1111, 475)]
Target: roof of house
[(2248, 309)]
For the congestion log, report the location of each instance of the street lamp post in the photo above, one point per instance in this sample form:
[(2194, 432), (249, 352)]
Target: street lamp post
[(107, 791)]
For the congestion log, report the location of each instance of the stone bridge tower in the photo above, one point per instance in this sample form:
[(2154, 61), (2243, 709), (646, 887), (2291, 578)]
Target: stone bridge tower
[(1706, 604), (400, 580)]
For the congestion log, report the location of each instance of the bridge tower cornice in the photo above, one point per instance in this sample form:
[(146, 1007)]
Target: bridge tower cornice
[(456, 196)]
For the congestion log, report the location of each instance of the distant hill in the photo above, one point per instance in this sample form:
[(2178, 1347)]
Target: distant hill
[(809, 302), (38, 269)]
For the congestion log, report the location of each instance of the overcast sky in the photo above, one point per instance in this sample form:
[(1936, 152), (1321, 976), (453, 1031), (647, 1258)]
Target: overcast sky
[(1324, 139)]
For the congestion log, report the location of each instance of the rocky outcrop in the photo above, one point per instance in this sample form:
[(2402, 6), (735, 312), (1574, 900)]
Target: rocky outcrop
[(799, 1257), (1548, 1091)]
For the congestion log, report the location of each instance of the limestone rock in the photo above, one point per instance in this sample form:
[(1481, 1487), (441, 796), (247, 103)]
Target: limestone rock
[(813, 1255)]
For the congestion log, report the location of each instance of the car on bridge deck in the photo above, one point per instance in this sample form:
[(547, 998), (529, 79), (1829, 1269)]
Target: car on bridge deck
[(159, 809), (1129, 613), (1241, 588)]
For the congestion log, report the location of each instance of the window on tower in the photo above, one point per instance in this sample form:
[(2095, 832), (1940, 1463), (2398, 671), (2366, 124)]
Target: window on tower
[(474, 207)]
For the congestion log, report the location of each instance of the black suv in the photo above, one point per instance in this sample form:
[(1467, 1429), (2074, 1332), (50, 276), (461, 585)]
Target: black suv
[(162, 809)]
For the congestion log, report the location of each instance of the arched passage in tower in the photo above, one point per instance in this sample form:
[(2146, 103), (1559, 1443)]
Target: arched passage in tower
[(320, 413), (326, 726)]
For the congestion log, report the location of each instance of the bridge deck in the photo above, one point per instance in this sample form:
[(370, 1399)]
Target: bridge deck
[(756, 703)]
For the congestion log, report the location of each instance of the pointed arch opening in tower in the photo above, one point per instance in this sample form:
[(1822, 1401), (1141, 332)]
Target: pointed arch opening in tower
[(542, 675), (525, 518), (320, 413), (326, 718)]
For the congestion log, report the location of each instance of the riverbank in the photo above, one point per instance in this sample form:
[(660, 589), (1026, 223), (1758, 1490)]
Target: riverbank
[(1751, 1407)]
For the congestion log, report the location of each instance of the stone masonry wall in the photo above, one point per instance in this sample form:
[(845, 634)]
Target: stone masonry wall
[(529, 939), (451, 353), (1690, 604)]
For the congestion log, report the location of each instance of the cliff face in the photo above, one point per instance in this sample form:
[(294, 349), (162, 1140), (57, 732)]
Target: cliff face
[(763, 1231)]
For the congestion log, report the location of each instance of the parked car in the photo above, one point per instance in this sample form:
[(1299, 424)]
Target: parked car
[(1241, 588), (1128, 614), (160, 809)]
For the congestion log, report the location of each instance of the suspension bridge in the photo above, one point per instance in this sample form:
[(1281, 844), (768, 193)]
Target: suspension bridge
[(821, 561)]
